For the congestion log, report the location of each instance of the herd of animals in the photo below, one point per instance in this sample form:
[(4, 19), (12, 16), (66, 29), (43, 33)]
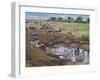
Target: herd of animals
[(67, 52)]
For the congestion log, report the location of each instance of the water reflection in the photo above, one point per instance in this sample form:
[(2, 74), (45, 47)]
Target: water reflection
[(69, 52)]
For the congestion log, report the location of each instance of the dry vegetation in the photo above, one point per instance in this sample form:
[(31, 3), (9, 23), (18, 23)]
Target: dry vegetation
[(38, 57)]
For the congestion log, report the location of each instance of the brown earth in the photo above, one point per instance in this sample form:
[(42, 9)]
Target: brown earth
[(39, 57)]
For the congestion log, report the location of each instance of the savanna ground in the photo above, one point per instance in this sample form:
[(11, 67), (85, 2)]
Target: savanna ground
[(67, 33)]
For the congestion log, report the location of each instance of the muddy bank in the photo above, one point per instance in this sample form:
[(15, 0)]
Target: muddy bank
[(58, 44)]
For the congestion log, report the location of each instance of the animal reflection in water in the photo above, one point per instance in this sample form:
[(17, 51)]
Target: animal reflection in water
[(69, 53)]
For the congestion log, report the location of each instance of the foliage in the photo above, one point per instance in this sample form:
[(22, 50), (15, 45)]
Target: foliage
[(85, 38), (79, 19)]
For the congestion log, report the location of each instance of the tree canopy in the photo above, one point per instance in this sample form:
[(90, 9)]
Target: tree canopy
[(79, 19)]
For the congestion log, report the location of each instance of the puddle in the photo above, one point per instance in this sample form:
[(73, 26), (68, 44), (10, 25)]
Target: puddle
[(69, 52)]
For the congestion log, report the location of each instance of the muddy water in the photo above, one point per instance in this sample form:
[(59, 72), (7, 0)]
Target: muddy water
[(69, 52)]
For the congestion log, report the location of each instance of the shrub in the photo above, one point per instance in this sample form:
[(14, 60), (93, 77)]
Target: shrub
[(85, 38)]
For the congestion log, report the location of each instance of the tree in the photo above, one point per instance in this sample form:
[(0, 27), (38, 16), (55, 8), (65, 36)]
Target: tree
[(60, 19), (79, 19), (52, 19), (88, 20), (70, 19)]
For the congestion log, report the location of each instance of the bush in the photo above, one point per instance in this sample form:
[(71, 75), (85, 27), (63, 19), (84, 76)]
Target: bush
[(85, 38)]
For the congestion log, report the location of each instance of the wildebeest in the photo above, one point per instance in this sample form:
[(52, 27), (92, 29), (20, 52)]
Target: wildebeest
[(32, 28)]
